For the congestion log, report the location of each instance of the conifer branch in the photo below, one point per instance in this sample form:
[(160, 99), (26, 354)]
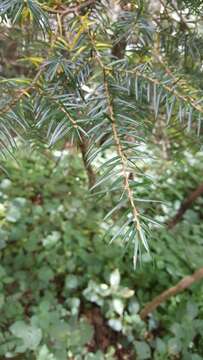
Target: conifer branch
[(189, 100), (21, 93), (121, 153)]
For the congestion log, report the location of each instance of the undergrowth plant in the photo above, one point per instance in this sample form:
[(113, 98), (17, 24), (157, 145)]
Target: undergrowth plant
[(65, 293)]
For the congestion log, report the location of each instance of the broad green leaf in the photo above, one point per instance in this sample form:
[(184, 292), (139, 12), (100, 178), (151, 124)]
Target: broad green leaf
[(30, 335), (44, 354), (118, 306), (142, 350), (115, 279)]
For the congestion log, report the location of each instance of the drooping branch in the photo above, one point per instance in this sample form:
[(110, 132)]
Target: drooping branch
[(121, 154), (187, 99), (118, 144), (167, 294), (187, 203)]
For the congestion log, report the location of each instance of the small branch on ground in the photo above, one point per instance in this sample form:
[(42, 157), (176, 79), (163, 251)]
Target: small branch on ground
[(167, 294), (187, 203)]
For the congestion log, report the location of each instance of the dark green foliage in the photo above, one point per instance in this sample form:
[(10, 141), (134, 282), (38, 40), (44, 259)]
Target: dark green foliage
[(56, 264)]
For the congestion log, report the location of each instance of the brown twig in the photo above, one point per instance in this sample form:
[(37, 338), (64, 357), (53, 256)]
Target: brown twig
[(71, 9), (21, 93), (186, 205), (121, 154), (83, 145), (186, 282), (75, 9)]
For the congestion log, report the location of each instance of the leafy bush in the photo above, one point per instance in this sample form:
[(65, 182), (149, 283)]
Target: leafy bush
[(59, 274)]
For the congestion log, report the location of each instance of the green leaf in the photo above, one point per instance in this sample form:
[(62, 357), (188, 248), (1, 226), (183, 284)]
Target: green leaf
[(15, 209), (71, 282), (115, 324), (142, 350), (30, 335), (51, 239), (174, 346), (80, 334), (44, 354), (97, 356), (118, 306), (192, 310), (45, 274), (115, 279), (160, 346)]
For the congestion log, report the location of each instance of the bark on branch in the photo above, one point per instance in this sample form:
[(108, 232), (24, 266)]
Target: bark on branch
[(72, 9), (186, 205), (179, 287), (88, 167)]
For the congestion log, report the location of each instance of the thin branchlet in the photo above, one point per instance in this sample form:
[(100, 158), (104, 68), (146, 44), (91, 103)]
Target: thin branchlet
[(21, 93), (189, 100), (118, 144), (120, 152)]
